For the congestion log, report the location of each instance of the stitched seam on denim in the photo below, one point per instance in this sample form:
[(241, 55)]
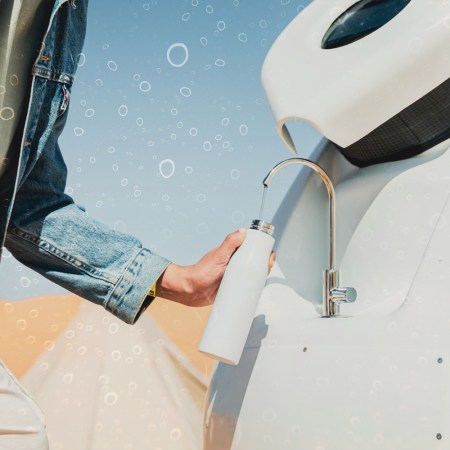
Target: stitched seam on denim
[(60, 254), (119, 287), (60, 77)]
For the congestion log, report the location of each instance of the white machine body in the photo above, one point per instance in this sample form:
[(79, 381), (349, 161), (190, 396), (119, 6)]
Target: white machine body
[(376, 378)]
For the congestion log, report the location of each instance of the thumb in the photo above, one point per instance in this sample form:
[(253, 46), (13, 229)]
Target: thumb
[(232, 242)]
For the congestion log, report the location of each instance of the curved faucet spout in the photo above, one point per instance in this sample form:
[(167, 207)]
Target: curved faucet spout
[(333, 294), (328, 184)]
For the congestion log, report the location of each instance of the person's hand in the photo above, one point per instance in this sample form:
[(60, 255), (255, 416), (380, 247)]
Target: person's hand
[(197, 285)]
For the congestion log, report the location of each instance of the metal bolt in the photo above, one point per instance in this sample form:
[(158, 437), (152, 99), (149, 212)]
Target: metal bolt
[(439, 436)]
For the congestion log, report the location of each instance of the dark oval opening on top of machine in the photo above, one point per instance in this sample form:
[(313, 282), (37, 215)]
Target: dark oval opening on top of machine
[(361, 19)]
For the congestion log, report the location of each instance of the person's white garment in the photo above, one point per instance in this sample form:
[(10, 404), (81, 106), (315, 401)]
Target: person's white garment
[(21, 420)]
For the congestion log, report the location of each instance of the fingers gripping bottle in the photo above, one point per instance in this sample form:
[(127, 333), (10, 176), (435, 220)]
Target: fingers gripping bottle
[(233, 311)]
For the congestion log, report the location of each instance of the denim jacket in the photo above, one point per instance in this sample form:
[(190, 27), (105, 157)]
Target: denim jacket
[(42, 226)]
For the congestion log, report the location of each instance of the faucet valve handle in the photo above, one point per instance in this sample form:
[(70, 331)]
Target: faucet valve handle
[(343, 295), (340, 295)]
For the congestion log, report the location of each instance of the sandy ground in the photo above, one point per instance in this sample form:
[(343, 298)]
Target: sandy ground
[(28, 326)]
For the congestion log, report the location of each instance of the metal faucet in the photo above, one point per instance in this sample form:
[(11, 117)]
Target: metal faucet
[(333, 294)]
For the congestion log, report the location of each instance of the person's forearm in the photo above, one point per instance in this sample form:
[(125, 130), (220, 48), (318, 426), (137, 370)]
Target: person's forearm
[(75, 251)]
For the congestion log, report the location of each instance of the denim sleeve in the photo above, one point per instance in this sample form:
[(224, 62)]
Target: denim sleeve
[(50, 234)]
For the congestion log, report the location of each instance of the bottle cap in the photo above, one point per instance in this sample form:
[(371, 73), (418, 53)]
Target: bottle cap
[(260, 225)]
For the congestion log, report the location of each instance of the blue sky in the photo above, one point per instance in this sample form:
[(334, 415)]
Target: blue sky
[(169, 133)]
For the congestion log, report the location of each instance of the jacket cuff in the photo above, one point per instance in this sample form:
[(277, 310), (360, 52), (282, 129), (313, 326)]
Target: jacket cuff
[(129, 298)]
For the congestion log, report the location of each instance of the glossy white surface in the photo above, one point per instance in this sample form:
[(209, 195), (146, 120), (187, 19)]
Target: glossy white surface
[(378, 378), (331, 89)]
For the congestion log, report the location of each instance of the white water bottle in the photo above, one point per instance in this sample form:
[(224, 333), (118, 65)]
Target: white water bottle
[(233, 311)]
